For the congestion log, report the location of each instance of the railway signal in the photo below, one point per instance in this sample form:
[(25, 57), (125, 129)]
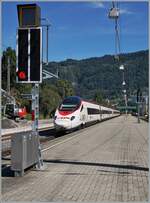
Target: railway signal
[(29, 45), (29, 61), (22, 56), (29, 55)]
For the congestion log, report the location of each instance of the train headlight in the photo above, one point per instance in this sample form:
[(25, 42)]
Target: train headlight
[(72, 118)]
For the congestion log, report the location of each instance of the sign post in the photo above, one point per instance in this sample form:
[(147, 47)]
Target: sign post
[(29, 60), (138, 104), (35, 117)]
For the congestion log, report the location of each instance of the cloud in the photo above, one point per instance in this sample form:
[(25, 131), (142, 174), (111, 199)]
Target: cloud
[(125, 11), (97, 4)]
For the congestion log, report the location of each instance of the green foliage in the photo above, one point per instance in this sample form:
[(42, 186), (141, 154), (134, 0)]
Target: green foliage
[(11, 54), (90, 75), (49, 100), (64, 88), (96, 78), (98, 98)]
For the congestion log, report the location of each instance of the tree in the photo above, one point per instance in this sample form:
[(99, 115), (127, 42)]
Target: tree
[(49, 100), (98, 97), (65, 88), (11, 54)]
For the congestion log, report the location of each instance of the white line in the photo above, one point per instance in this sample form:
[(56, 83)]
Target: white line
[(60, 143)]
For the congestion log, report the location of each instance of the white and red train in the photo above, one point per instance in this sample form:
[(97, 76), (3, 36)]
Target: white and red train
[(74, 112)]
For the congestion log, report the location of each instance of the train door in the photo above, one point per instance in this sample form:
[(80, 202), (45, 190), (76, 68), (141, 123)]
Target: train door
[(100, 110), (83, 114)]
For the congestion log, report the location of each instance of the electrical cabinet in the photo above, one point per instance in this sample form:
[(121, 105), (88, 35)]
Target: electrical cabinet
[(24, 151)]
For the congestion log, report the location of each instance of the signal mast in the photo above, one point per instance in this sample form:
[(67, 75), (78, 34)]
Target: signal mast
[(114, 15)]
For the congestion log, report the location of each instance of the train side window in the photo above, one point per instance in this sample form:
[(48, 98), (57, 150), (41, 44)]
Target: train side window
[(81, 108)]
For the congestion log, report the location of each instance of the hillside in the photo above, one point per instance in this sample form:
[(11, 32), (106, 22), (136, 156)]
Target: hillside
[(102, 74), (97, 79)]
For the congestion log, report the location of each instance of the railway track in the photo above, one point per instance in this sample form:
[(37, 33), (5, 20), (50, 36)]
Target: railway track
[(9, 135), (46, 133)]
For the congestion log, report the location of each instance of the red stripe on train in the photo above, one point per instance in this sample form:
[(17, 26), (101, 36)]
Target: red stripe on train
[(65, 113)]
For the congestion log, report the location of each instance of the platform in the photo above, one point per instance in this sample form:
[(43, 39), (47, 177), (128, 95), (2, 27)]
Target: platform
[(104, 162)]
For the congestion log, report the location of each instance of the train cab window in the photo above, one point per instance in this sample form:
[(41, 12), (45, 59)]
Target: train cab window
[(70, 104)]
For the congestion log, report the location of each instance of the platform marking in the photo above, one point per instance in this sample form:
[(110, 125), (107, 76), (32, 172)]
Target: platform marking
[(43, 150)]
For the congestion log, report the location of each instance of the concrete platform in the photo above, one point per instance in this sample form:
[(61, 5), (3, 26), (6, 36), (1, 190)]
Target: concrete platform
[(105, 162)]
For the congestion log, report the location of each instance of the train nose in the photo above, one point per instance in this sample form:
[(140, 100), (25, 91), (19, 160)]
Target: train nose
[(62, 124)]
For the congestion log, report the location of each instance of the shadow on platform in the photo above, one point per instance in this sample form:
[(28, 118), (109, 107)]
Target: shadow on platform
[(129, 167), (6, 171)]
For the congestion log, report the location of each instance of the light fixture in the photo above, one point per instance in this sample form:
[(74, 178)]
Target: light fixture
[(121, 67)]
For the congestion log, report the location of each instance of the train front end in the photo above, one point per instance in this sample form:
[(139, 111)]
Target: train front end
[(67, 115)]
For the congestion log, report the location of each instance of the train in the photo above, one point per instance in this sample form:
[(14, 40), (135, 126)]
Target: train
[(74, 112), (13, 111)]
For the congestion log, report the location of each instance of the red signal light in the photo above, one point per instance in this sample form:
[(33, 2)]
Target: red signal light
[(22, 75), (33, 115)]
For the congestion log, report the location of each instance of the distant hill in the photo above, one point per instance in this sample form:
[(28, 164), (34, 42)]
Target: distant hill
[(102, 74), (98, 79)]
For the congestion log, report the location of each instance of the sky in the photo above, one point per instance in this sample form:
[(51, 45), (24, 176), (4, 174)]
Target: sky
[(82, 29)]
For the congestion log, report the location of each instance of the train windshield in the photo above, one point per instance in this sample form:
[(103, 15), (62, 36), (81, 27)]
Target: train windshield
[(70, 104), (9, 108)]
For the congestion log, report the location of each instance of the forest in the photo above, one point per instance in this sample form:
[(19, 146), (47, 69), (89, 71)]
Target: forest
[(97, 79)]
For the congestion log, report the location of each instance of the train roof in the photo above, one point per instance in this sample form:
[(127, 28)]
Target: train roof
[(78, 98)]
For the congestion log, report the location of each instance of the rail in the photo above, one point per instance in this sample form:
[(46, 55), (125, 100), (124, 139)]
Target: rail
[(7, 134)]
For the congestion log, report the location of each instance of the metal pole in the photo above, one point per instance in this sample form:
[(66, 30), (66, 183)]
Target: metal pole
[(35, 117), (47, 29), (138, 112), (126, 104), (113, 4), (123, 75), (47, 45), (8, 76)]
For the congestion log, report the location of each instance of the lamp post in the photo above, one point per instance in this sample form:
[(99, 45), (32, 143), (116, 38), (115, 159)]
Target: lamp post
[(138, 104), (47, 32), (123, 86), (8, 75)]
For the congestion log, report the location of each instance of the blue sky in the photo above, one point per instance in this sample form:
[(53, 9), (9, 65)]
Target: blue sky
[(83, 29)]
